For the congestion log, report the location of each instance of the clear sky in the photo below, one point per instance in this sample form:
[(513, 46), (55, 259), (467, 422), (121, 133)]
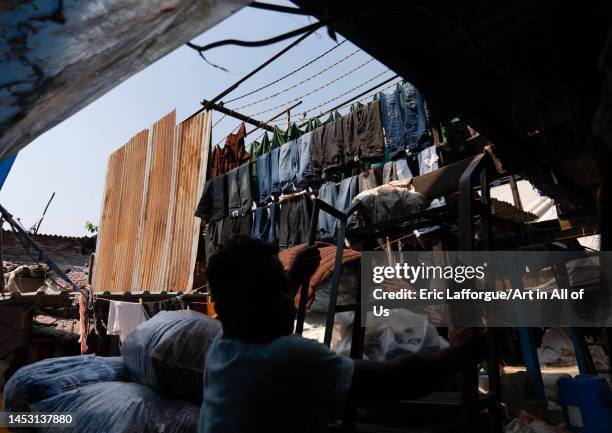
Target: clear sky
[(70, 159)]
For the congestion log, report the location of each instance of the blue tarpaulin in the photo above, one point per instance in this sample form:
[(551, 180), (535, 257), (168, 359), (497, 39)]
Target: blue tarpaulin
[(5, 168)]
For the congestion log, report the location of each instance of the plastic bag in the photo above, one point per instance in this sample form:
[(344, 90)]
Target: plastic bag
[(402, 332), (54, 376), (120, 407), (167, 353)]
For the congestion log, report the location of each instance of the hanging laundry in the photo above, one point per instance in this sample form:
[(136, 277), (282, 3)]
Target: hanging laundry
[(265, 222), (274, 172), (346, 193), (124, 317), (331, 145), (239, 195), (288, 166), (231, 155), (393, 123), (363, 134), (306, 174), (257, 149), (278, 137), (84, 322), (327, 223), (396, 170), (264, 177), (313, 124), (416, 126), (294, 224), (213, 204), (370, 179)]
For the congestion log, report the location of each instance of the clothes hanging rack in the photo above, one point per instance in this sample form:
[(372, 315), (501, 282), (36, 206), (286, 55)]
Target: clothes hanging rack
[(258, 126)]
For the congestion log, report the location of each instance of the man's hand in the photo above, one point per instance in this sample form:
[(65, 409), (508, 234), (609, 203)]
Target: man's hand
[(471, 337), (306, 262)]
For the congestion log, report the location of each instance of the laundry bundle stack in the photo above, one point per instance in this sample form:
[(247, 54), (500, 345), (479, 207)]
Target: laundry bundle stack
[(155, 386)]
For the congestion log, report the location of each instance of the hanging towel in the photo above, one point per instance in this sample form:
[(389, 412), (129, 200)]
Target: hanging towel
[(124, 317)]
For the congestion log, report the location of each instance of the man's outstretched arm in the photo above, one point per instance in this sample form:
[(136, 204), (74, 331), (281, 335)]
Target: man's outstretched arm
[(414, 375)]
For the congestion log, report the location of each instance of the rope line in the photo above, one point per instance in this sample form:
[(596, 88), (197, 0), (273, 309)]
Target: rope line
[(316, 90), (348, 104), (306, 80), (287, 75)]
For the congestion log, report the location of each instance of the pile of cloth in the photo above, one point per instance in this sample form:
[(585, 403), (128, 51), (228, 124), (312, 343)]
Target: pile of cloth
[(154, 386)]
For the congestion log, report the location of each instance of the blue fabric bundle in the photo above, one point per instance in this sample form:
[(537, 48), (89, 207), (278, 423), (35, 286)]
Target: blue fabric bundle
[(120, 407), (53, 376), (167, 352)]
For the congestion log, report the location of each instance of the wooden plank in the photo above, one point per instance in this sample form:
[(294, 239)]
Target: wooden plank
[(440, 182)]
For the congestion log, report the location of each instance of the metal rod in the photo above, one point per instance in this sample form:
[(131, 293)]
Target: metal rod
[(312, 235), (235, 114)]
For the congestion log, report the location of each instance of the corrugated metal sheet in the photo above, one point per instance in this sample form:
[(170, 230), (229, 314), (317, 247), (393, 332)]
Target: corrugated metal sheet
[(109, 220), (148, 234), (192, 156), (126, 240), (153, 237)]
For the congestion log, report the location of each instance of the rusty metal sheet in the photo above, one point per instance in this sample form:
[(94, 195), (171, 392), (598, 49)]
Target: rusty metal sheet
[(109, 220), (153, 227), (148, 232), (192, 156), (126, 240)]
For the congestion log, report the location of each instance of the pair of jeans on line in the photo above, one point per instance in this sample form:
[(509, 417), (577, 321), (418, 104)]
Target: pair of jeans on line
[(341, 198), (265, 222), (240, 200), (286, 168), (264, 177), (415, 118), (393, 123)]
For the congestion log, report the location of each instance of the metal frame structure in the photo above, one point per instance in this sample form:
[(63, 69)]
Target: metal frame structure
[(478, 173)]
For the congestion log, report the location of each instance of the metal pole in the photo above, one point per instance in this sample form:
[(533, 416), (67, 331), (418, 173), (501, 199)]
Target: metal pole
[(235, 114)]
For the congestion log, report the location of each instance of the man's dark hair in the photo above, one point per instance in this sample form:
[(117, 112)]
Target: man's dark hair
[(251, 290)]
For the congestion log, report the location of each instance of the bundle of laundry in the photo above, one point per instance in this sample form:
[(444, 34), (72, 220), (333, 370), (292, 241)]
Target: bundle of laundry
[(325, 268), (120, 407), (389, 201), (162, 355), (54, 376)]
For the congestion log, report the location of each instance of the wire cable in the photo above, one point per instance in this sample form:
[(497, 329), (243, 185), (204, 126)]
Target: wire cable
[(311, 27), (316, 90), (219, 121), (278, 8), (348, 104), (347, 92), (286, 75), (274, 95)]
